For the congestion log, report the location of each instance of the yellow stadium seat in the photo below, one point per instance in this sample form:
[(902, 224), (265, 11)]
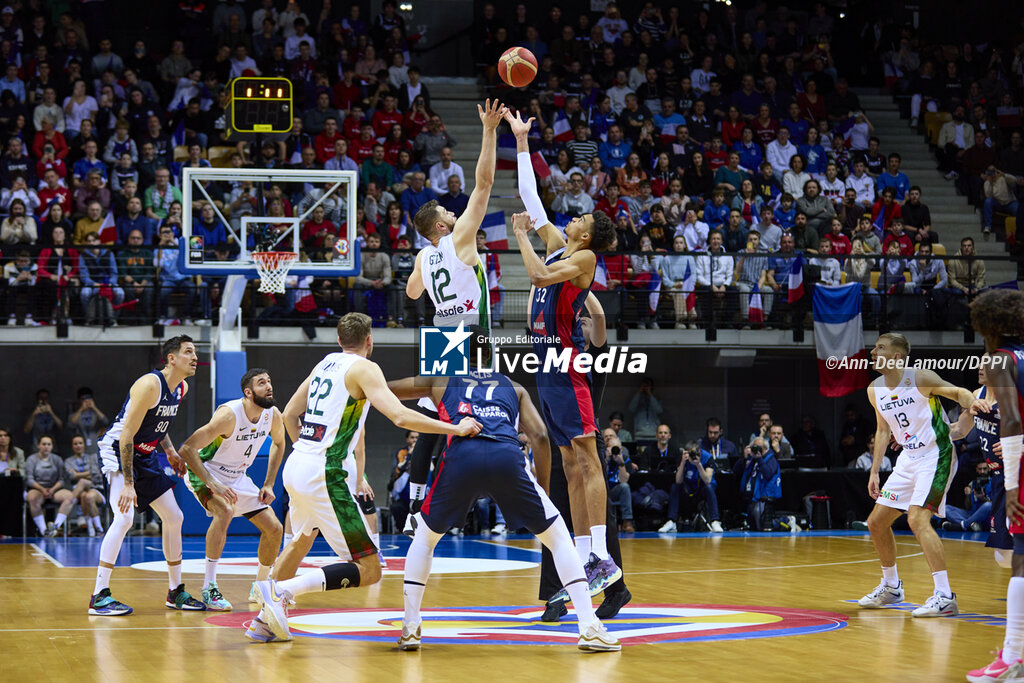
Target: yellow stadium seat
[(937, 249), (933, 121), (180, 153), (1011, 226), (842, 278), (876, 274), (220, 157)]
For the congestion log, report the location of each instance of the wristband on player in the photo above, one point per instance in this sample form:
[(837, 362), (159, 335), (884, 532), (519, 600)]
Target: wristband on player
[(1012, 446), (528, 190)]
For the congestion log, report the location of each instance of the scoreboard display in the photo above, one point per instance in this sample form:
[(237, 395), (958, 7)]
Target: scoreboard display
[(261, 105)]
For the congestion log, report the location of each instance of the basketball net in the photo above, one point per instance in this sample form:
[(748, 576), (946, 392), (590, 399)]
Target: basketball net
[(272, 267)]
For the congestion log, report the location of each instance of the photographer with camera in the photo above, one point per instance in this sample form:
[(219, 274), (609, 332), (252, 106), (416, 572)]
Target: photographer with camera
[(619, 469), (761, 483), (88, 421), (43, 421), (979, 495), (695, 479)]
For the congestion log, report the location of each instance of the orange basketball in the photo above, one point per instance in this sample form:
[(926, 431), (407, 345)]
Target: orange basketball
[(517, 67)]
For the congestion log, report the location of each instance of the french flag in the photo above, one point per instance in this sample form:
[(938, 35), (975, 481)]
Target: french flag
[(506, 160), (690, 287), (178, 139), (493, 226), (108, 229), (506, 152), (601, 274), (668, 133), (756, 311), (563, 131), (46, 212), (796, 280), (839, 334)]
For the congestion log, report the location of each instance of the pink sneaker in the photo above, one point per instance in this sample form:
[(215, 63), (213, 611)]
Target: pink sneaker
[(996, 671)]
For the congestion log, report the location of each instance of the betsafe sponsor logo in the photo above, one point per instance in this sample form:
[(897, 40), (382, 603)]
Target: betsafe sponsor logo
[(445, 352)]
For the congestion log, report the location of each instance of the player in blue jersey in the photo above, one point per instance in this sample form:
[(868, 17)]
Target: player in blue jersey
[(562, 281), (998, 315), (493, 465), (128, 456), (985, 424)]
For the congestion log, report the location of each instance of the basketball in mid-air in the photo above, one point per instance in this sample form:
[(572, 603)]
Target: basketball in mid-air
[(517, 67)]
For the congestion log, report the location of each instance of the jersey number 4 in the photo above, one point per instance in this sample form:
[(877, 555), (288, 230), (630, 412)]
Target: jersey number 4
[(323, 386), (439, 285)]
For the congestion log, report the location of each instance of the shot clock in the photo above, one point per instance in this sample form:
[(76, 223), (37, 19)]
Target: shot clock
[(261, 105)]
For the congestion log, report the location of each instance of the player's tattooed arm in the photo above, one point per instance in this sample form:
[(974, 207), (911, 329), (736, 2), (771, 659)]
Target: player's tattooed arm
[(127, 456)]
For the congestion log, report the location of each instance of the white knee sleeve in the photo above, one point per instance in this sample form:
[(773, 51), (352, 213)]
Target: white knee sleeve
[(1004, 558)]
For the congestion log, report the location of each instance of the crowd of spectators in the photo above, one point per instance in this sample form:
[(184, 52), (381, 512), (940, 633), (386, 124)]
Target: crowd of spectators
[(968, 98), (725, 143), (93, 137), (49, 479)]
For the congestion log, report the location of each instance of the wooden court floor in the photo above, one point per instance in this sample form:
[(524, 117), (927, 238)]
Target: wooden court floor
[(48, 636)]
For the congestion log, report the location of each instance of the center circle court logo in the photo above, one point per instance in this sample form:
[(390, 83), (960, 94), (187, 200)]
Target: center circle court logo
[(246, 566), (635, 624)]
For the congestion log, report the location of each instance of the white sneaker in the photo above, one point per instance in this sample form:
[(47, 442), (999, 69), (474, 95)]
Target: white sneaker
[(410, 639), (938, 605), (595, 638), (91, 531), (716, 527), (882, 596), (669, 527), (913, 122), (274, 603), (499, 529)]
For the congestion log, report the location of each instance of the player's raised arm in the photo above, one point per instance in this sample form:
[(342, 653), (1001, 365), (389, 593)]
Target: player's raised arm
[(542, 275), (599, 324), (222, 424), (143, 394), (414, 286), (531, 423), (882, 435), (367, 379), (553, 240), (296, 408), (276, 456), (464, 232)]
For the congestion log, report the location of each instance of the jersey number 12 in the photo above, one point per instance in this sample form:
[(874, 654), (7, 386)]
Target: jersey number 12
[(439, 286)]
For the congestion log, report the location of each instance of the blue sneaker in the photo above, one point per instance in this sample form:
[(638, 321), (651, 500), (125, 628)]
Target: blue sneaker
[(601, 573), (180, 599), (103, 605)]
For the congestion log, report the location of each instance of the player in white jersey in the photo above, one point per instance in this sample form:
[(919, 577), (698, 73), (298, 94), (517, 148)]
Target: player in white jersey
[(324, 420), (450, 271), (907, 408), (218, 455)]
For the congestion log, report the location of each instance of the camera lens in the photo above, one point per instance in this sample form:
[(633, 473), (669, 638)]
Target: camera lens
[(616, 450)]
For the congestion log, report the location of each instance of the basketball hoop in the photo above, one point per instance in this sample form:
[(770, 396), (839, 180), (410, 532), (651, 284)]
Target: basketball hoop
[(272, 267)]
